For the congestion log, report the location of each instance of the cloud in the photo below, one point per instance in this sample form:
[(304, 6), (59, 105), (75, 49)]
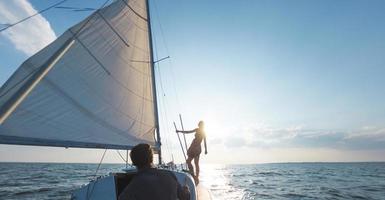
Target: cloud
[(215, 141), (29, 36), (366, 138), (235, 142), (368, 133)]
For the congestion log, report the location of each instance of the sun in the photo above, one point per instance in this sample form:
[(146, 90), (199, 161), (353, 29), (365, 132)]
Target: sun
[(213, 128)]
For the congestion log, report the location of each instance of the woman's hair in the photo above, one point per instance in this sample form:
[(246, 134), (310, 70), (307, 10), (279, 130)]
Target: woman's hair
[(201, 123), (141, 155)]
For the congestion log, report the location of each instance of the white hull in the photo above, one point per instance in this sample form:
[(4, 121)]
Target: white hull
[(109, 187)]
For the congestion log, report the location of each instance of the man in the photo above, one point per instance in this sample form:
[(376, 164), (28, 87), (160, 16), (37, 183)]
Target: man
[(151, 183)]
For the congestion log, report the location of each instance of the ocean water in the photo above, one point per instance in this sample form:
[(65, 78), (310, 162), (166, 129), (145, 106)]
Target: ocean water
[(297, 181), (226, 182)]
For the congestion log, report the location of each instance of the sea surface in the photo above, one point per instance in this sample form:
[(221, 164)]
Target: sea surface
[(226, 182)]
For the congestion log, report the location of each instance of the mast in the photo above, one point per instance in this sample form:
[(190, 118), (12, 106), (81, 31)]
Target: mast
[(153, 83)]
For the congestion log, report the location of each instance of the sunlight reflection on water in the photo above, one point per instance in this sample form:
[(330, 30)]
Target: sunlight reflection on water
[(295, 181), (215, 178)]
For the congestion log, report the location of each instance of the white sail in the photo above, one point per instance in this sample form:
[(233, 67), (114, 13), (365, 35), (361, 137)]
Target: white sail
[(99, 94)]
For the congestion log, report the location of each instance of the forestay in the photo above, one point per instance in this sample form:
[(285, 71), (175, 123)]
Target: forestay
[(99, 93)]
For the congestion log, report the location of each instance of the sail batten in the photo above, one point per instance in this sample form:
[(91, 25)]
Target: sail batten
[(97, 95)]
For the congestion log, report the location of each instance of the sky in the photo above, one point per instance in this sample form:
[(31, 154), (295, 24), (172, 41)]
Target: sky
[(275, 81)]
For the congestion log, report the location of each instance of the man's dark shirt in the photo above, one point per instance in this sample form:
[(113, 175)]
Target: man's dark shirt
[(153, 184)]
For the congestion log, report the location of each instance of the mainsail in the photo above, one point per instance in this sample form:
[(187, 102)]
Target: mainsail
[(99, 94)]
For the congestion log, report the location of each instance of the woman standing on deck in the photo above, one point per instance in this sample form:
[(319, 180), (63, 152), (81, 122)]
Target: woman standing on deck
[(195, 149)]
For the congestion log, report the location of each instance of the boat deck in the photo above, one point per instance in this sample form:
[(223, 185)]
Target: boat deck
[(203, 193)]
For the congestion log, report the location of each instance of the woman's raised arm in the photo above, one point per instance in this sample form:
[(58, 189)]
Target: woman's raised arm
[(186, 132)]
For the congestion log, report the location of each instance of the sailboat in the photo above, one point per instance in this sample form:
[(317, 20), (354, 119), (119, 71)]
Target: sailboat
[(93, 87)]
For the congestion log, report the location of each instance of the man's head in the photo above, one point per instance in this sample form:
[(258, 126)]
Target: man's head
[(141, 156)]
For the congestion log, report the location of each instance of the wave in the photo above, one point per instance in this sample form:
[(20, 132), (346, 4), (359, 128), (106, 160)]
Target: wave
[(278, 181)]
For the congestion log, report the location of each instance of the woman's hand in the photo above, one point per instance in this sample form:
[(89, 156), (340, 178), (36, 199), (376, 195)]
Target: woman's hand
[(177, 131)]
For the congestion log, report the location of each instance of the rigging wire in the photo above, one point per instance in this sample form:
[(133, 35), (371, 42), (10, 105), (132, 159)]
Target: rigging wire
[(126, 158), (172, 74), (100, 163), (168, 53), (165, 118), (89, 193), (37, 13), (162, 99), (120, 155), (75, 9)]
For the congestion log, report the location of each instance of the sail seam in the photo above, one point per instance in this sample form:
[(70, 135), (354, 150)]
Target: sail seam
[(106, 102), (134, 10), (133, 22), (105, 69), (89, 52), (112, 28), (128, 61), (50, 120), (78, 105), (138, 27), (88, 113)]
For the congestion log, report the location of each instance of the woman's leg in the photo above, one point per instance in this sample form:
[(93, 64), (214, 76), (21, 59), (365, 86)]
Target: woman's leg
[(196, 177), (189, 165), (196, 162)]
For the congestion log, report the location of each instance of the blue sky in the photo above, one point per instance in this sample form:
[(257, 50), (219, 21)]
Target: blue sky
[(285, 81)]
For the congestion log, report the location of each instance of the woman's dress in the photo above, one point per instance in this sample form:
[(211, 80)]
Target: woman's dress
[(195, 147)]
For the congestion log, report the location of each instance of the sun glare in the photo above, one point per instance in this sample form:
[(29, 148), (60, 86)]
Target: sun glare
[(212, 127)]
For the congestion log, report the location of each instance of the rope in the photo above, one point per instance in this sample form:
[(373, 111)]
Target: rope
[(120, 155), (39, 12), (100, 163), (89, 193)]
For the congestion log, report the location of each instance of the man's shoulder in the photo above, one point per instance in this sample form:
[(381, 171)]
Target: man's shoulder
[(156, 179), (164, 171), (155, 172)]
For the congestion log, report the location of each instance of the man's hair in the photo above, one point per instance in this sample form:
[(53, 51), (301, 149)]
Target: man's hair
[(141, 155)]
